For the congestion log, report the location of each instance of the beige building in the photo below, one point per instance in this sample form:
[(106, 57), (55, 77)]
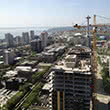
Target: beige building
[(44, 37)]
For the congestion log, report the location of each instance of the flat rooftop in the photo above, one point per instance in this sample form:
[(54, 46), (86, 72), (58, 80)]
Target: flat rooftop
[(70, 56), (73, 70), (23, 68), (10, 73)]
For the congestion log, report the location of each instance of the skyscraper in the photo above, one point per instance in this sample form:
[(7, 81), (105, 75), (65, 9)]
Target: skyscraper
[(9, 40), (44, 36), (18, 40), (32, 35), (25, 37)]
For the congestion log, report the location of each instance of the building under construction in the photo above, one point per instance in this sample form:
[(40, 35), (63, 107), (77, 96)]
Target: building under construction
[(70, 81)]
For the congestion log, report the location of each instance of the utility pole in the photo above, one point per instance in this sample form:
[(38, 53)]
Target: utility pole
[(88, 18)]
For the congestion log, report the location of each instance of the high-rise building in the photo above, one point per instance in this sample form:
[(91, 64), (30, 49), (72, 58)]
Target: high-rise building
[(44, 36), (32, 35), (9, 40), (25, 37), (18, 40), (70, 83), (36, 45), (8, 57)]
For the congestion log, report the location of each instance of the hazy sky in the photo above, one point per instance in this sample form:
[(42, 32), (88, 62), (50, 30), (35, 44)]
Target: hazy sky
[(20, 13)]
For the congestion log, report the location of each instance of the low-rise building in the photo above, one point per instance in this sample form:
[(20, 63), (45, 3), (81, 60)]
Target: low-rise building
[(10, 74), (51, 53), (14, 83), (24, 71), (48, 57), (28, 63)]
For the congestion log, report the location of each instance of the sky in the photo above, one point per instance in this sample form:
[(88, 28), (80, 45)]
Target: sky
[(46, 13)]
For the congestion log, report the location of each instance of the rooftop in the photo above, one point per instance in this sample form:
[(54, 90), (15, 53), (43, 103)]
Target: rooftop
[(10, 73), (70, 64), (23, 68), (46, 86), (73, 70)]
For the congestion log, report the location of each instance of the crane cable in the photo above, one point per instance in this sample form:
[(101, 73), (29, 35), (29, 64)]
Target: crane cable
[(103, 17)]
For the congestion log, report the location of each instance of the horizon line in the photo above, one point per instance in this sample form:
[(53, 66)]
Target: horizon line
[(34, 26)]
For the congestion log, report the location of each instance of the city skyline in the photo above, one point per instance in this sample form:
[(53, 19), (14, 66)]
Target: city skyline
[(32, 13)]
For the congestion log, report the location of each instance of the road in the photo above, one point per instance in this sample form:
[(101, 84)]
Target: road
[(20, 103), (102, 97)]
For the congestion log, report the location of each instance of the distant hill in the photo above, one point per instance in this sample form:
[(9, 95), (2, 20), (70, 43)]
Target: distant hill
[(57, 29)]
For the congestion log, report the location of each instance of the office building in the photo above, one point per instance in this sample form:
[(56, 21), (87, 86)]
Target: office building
[(25, 37), (44, 36), (70, 82), (36, 45), (18, 40), (9, 40), (32, 35)]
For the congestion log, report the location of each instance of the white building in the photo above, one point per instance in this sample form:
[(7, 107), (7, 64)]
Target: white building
[(44, 37), (8, 57)]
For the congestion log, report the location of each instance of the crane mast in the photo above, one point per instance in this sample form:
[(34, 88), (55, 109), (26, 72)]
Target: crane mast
[(94, 62)]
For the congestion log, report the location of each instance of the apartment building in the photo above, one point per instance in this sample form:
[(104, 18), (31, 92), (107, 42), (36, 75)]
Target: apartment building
[(70, 81)]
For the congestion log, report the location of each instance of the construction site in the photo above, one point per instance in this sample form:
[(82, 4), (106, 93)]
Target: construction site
[(77, 74), (76, 82), (71, 81)]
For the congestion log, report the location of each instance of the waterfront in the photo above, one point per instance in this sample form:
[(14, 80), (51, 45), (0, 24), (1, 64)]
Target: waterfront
[(18, 31)]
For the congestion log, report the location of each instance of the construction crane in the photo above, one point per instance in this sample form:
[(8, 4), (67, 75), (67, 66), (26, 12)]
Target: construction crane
[(94, 63), (94, 54), (97, 28)]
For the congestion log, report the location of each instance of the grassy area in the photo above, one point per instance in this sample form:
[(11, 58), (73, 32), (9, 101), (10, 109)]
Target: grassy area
[(16, 98), (13, 101), (38, 75), (34, 95)]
